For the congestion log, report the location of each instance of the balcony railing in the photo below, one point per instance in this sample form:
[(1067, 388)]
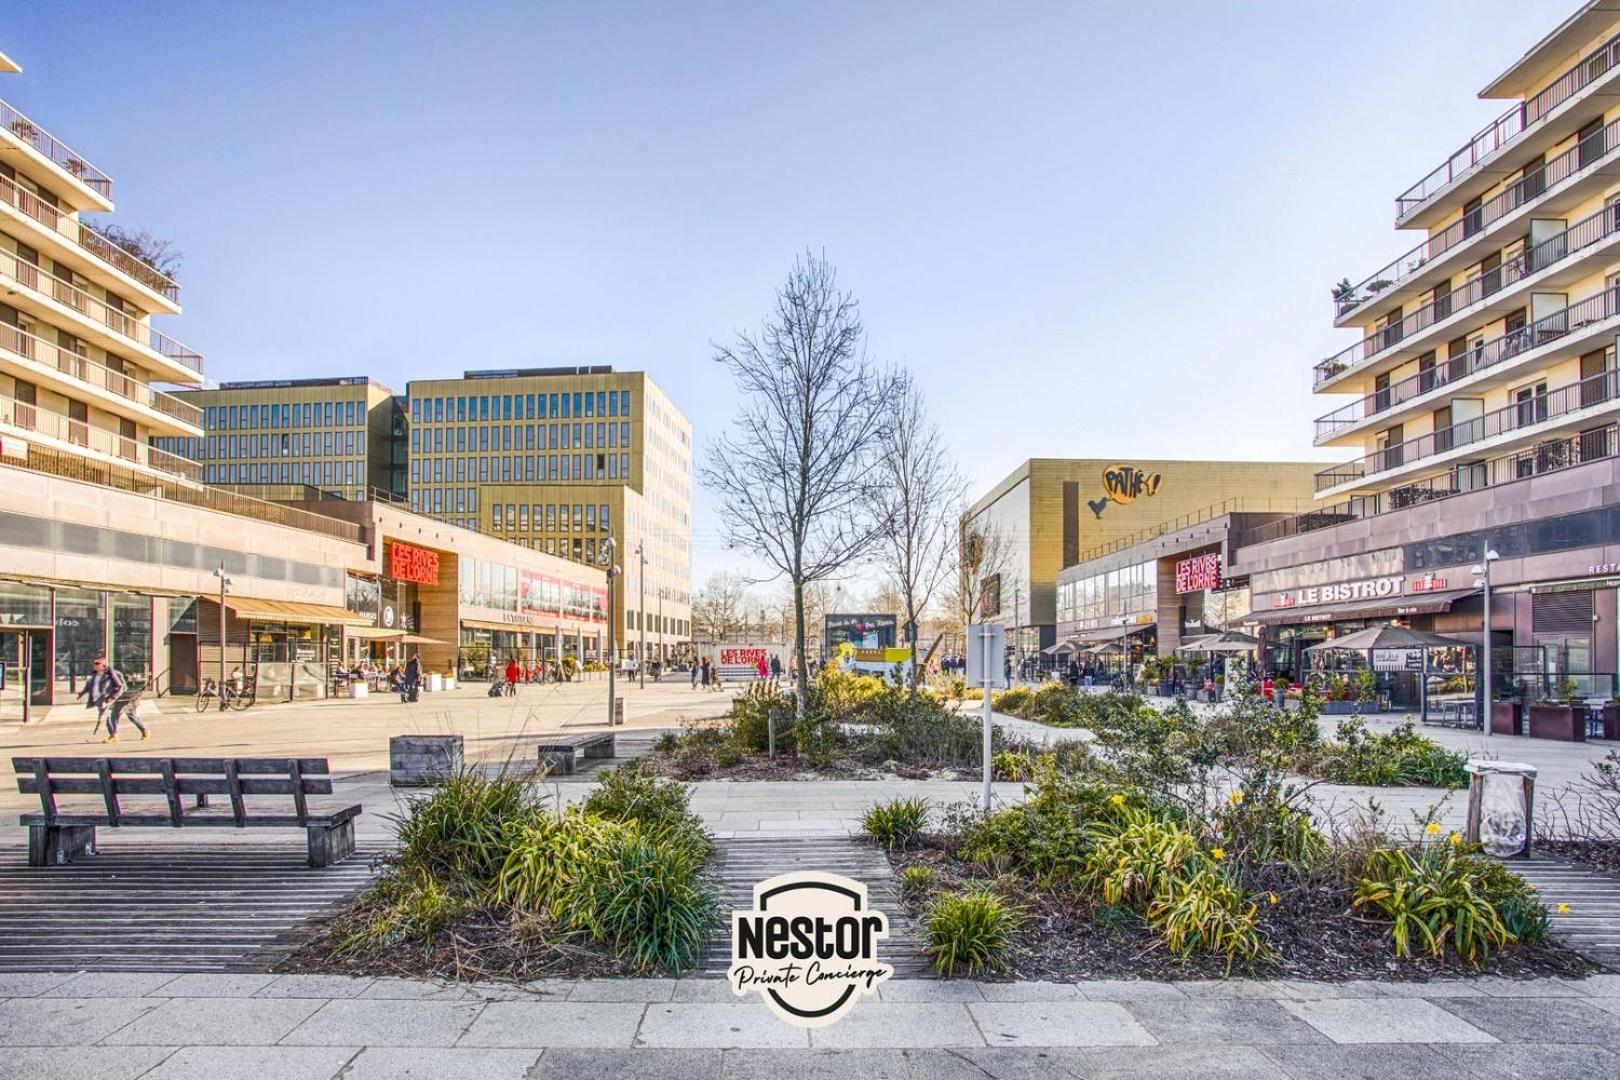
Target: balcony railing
[(77, 232), (1547, 329), (179, 483), (1531, 412), (1592, 229), (1511, 125), (125, 325), (47, 144), (65, 360), (1541, 181), (1544, 457)]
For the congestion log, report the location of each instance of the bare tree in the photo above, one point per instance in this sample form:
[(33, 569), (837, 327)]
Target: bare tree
[(982, 556), (720, 608), (795, 473), (158, 253), (917, 501)]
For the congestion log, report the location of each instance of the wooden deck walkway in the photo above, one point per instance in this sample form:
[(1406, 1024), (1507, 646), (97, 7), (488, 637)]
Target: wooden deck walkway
[(1592, 925), (168, 906)]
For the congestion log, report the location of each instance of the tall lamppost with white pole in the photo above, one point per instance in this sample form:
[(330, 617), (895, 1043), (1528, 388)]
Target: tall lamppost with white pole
[(1482, 578), (224, 587), (606, 557), (641, 617)]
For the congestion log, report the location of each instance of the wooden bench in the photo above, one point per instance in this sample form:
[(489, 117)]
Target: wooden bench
[(559, 752), (60, 836)]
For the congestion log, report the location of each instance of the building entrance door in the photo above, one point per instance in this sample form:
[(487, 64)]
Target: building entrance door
[(24, 670)]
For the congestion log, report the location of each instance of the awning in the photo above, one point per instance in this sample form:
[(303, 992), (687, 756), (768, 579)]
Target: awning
[(1067, 645), (1110, 633), (294, 611), (374, 633), (1426, 604)]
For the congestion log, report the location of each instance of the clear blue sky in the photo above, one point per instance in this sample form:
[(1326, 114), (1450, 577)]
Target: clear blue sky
[(1093, 228)]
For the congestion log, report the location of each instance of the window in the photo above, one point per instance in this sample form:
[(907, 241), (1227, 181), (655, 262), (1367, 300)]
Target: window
[(590, 404)]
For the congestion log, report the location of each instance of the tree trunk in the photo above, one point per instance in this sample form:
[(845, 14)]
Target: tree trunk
[(802, 685)]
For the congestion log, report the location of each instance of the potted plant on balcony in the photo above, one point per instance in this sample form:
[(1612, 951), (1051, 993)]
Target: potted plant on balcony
[(1555, 716), (23, 129), (1344, 293), (1379, 286)]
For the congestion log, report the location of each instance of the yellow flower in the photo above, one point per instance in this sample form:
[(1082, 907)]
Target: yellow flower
[(1455, 838), (1217, 854), (1117, 800), (1235, 798), (1563, 909), (1271, 898), (1432, 829)]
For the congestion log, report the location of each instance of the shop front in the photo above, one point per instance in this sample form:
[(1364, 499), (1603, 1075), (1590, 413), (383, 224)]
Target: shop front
[(284, 649)]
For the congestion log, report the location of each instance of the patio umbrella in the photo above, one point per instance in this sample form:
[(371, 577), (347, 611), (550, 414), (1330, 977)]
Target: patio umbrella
[(1191, 644), (1388, 637), (1231, 641), (1069, 645)]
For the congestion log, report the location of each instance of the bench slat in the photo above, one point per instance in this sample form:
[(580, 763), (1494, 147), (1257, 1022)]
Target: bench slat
[(172, 794), (184, 785), (271, 821), (149, 765), (233, 781), (47, 801), (109, 794), (296, 780)]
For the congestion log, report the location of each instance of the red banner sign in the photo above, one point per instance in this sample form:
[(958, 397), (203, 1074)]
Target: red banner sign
[(1199, 573), (416, 564)]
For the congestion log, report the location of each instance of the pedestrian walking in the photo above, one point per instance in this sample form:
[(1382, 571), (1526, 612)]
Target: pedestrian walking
[(105, 691), (411, 680), (776, 667), (696, 671), (513, 673), (764, 668)]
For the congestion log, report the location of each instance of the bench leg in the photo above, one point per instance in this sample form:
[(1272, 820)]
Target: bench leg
[(54, 845), (558, 762), (602, 748), (330, 844)]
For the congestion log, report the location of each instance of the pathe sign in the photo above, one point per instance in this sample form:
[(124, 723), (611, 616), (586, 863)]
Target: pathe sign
[(413, 564), (809, 947), (1124, 484)]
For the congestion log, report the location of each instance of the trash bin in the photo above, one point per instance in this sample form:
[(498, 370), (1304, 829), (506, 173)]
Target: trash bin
[(1501, 807)]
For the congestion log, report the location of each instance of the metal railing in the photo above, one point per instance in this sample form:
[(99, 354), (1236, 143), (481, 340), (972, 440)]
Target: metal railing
[(1508, 127), (1544, 457), (47, 354), (1532, 412), (179, 487), (1545, 330), (75, 231), (55, 425), (59, 152), (1194, 517), (1590, 230), (1532, 186), (44, 283)]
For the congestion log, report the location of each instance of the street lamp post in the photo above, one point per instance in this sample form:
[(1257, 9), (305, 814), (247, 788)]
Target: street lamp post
[(607, 550), (641, 618), (1482, 577), (224, 587)]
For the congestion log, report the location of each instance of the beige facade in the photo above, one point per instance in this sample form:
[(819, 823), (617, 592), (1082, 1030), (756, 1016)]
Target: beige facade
[(1051, 513), (1485, 353), (558, 460)]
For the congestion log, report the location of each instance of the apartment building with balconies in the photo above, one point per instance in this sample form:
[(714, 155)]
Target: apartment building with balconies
[(558, 460), (1479, 390)]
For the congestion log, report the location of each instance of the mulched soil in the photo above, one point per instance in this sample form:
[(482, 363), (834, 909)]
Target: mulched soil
[(1598, 854), (789, 766), (1312, 935)]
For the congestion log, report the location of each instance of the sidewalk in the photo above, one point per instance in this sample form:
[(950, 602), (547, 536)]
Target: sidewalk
[(167, 1026)]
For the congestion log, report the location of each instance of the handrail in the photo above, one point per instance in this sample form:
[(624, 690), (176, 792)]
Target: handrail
[(1592, 229), (1235, 504), (40, 351), (1547, 329), (1548, 456), (58, 151), (75, 231), (55, 425), (32, 277), (1507, 128), (1516, 416), (1522, 192)]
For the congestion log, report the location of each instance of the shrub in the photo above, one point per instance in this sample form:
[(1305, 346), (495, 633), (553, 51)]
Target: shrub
[(727, 755), (408, 905), (632, 793), (1206, 912), (1055, 705), (749, 720), (897, 822), (1012, 701), (1402, 757), (460, 835), (1130, 863), (919, 730), (1017, 766), (968, 932), (549, 855), (916, 881), (1438, 896)]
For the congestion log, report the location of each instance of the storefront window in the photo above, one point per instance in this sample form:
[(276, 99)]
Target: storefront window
[(132, 635), (81, 636), (360, 595), (24, 605)]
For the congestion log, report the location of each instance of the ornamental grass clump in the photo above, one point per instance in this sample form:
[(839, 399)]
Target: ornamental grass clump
[(1441, 897), (969, 932), (896, 823), (1401, 757)]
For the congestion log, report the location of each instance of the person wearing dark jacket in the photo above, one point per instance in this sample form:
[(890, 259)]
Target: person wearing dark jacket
[(105, 691), (413, 677)]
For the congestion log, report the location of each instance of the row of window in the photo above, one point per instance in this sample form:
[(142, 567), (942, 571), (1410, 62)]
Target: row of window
[(550, 517), (533, 468), (1129, 589), (298, 414), (460, 410), (528, 437), (313, 473), (304, 444)]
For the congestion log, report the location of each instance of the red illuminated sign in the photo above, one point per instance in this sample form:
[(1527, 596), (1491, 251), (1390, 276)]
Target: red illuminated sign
[(1199, 573), (413, 564)]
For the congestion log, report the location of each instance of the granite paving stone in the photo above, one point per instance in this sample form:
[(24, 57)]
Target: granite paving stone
[(104, 984), (21, 984), (217, 984), (930, 990), (1532, 1061), (724, 1026), (900, 1024), (1498, 986), (392, 988), (58, 1021), (315, 986), (80, 1063), (1182, 1063), (1392, 1020), (1058, 1023), (1000, 1062), (215, 1022), (867, 1064), (1130, 990), (640, 1065), (395, 1022), (1370, 1061), (555, 1023), (1239, 1021), (265, 1062), (1029, 991), (1540, 1020), (623, 990), (437, 1063)]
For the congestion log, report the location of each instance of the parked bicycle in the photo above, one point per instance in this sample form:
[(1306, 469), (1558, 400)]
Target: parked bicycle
[(229, 698)]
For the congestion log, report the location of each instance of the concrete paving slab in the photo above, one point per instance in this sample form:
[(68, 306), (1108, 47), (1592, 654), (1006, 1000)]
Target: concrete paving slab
[(217, 984), (1129, 990), (316, 986), (712, 991), (555, 1023), (104, 984), (998, 1062), (1214, 1023), (1182, 1063), (1371, 1061), (390, 988), (887, 1024), (930, 990), (723, 1026), (80, 1063), (1029, 991), (1601, 986), (1434, 988), (278, 1062), (396, 1022), (1307, 990), (59, 1021), (432, 1063), (215, 1022), (641, 1064), (1532, 1061), (1058, 1023), (870, 1064), (21, 984), (1393, 1020), (1497, 986), (643, 990), (1548, 1020), (1225, 989)]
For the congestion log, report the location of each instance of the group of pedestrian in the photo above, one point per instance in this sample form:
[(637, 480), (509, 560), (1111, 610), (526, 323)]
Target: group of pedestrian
[(706, 674)]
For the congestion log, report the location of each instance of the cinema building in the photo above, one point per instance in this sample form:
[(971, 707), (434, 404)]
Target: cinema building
[(1482, 399)]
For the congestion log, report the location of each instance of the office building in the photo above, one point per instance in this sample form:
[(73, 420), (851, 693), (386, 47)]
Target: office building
[(558, 460)]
